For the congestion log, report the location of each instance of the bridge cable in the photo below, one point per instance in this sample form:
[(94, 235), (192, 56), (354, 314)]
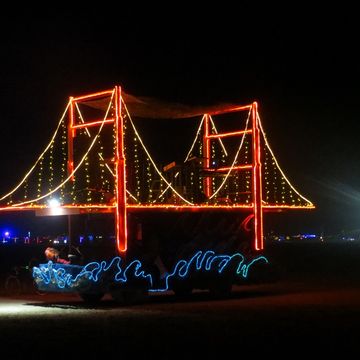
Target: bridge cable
[(40, 157), (235, 158), (151, 160), (277, 164), (77, 167)]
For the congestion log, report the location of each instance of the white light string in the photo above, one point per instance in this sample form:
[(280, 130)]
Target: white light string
[(196, 136), (277, 164), (166, 189), (77, 167), (88, 133), (39, 158), (216, 132), (151, 160), (235, 158)]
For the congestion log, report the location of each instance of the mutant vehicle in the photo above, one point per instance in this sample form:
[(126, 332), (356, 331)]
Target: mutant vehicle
[(158, 197)]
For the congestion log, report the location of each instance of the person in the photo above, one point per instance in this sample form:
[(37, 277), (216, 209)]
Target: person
[(53, 255), (75, 257)]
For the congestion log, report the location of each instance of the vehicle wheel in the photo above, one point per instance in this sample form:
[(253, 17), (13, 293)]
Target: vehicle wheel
[(118, 295), (36, 290), (135, 296), (220, 289), (182, 289), (129, 297), (91, 298), (12, 285)]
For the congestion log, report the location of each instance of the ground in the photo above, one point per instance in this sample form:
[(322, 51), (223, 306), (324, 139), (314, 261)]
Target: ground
[(313, 308)]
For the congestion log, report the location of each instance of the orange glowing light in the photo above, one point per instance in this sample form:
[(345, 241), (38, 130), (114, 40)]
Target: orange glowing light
[(233, 133), (119, 204), (93, 96), (71, 135), (120, 171), (256, 181), (227, 168), (233, 109), (206, 147), (93, 123)]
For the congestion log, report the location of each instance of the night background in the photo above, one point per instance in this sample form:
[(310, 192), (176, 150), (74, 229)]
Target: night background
[(301, 65)]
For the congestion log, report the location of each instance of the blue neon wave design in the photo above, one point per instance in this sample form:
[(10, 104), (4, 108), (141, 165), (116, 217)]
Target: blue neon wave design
[(52, 276)]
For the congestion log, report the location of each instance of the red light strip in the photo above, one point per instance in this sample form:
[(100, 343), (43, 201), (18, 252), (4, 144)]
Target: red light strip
[(237, 108), (245, 223), (288, 207), (194, 208), (93, 96), (94, 123), (224, 169), (206, 155), (256, 180), (71, 135), (234, 133), (120, 188), (170, 207), (121, 207)]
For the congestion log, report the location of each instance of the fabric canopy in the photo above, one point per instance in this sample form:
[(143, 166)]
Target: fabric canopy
[(146, 107)]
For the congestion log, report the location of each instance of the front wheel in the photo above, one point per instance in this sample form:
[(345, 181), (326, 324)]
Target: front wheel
[(36, 289)]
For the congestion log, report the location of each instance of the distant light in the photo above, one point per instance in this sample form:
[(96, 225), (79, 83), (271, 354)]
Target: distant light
[(54, 203), (309, 236), (7, 233)]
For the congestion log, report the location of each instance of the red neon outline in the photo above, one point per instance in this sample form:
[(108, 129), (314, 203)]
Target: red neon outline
[(245, 223), (206, 149), (234, 133), (92, 96), (71, 135), (256, 180), (120, 188), (227, 168), (121, 207), (268, 208), (93, 123), (310, 207), (236, 108)]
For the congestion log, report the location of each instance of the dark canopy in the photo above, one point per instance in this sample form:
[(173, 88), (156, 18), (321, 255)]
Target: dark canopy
[(146, 107)]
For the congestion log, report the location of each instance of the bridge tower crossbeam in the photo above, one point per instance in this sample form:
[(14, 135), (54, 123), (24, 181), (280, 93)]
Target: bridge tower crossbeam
[(119, 160), (257, 208)]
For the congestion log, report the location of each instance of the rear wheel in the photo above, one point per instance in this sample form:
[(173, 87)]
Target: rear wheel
[(182, 289), (129, 296), (91, 298), (220, 289), (118, 295), (13, 285), (135, 296)]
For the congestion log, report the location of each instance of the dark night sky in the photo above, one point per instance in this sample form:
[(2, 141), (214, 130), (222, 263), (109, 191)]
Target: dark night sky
[(301, 65)]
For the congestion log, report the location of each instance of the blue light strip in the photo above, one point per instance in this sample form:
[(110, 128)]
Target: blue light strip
[(52, 276)]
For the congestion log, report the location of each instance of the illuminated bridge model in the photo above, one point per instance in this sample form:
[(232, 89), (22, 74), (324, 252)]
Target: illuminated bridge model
[(99, 162)]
